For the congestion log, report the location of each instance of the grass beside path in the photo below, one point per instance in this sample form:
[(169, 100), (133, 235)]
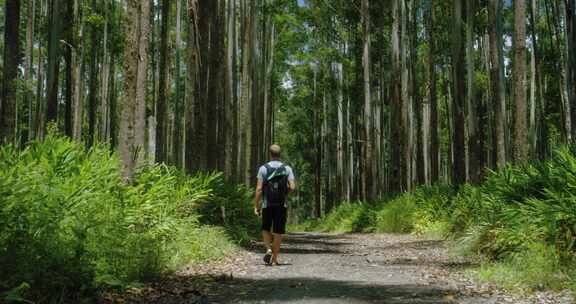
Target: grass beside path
[(521, 221), (71, 228)]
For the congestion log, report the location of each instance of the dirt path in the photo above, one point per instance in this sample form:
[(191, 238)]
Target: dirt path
[(328, 268)]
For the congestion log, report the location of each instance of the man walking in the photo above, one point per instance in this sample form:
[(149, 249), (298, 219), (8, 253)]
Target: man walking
[(275, 182)]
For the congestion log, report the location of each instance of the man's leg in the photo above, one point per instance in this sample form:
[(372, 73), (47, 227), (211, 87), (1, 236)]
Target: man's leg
[(267, 238), (266, 234), (279, 231), (276, 247)]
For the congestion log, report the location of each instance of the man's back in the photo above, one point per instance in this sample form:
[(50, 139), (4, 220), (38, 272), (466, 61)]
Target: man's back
[(263, 173)]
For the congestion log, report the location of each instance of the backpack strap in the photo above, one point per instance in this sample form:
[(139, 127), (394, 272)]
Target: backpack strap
[(270, 170)]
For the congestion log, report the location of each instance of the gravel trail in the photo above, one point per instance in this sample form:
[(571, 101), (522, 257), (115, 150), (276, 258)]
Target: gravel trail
[(335, 268)]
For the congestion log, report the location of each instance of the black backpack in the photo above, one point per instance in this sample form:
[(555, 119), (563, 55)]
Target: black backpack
[(276, 185)]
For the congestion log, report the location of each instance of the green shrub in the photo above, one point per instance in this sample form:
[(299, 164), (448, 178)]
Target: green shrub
[(538, 267), (522, 216), (231, 207), (70, 226), (347, 217), (396, 216)]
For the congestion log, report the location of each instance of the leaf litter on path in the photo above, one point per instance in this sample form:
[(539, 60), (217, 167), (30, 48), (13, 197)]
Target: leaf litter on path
[(335, 268)]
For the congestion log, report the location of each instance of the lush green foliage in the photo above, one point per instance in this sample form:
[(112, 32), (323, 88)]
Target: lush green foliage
[(70, 226), (521, 215)]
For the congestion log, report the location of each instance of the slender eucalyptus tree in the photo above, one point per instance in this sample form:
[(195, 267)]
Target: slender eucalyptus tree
[(521, 148), (55, 8), (162, 102), (497, 80), (8, 106), (29, 67), (570, 23), (367, 160), (458, 92), (132, 124)]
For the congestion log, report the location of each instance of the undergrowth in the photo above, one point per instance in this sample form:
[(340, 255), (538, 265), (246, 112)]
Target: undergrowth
[(70, 227), (521, 220)]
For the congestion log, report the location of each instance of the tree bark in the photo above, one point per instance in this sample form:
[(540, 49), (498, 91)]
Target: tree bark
[(230, 110), (520, 121), (367, 179), (28, 67), (246, 99), (399, 166), (132, 124), (53, 60), (475, 149), (496, 79), (459, 95), (191, 103), (161, 105), (177, 130), (105, 81), (40, 102), (432, 96), (540, 131), (571, 70), (8, 107), (77, 52), (69, 84), (93, 84)]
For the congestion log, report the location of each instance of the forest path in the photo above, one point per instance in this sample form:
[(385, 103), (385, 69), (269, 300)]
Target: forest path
[(332, 268), (349, 268)]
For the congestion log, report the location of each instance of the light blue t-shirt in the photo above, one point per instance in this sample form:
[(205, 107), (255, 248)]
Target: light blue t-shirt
[(262, 172)]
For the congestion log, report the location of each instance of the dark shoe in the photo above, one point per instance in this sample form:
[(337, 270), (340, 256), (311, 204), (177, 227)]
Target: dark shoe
[(268, 257)]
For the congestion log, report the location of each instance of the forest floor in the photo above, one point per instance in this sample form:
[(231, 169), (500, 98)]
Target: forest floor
[(335, 268)]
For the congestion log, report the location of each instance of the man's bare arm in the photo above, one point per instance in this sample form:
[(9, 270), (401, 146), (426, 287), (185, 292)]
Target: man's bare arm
[(291, 186), (258, 197)]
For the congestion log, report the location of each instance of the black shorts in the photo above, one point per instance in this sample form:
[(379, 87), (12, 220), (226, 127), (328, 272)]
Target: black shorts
[(275, 218)]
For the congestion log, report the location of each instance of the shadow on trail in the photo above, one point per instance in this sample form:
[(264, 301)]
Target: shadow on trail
[(424, 262), (422, 245), (327, 291), (316, 290), (300, 243)]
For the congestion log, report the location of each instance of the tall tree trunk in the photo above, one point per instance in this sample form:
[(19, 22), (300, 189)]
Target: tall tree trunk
[(69, 49), (93, 83), (77, 52), (132, 124), (191, 102), (40, 102), (177, 130), (459, 94), (8, 107), (540, 131), (53, 60), (399, 166), (113, 104), (367, 170), (340, 145), (475, 148), (220, 47), (105, 80), (28, 67), (317, 208), (432, 95), (496, 80), (407, 101), (246, 98), (520, 122), (230, 110), (571, 70), (161, 105)]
